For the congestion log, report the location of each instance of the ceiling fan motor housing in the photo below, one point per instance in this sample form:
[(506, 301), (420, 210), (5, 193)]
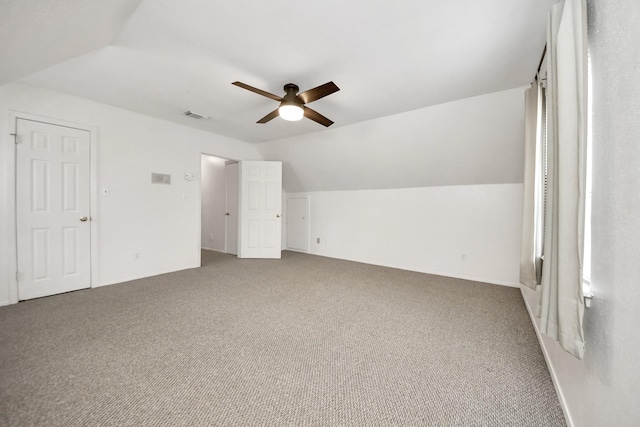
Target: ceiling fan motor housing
[(290, 86), (291, 96)]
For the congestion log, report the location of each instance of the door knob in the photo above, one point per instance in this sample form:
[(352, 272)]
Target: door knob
[(226, 213), (83, 218), (277, 215)]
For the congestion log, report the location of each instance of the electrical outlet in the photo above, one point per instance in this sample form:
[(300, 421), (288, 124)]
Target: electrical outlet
[(137, 256), (211, 236), (318, 240), (463, 257)]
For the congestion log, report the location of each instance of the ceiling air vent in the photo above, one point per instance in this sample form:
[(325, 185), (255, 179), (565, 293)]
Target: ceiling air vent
[(195, 115)]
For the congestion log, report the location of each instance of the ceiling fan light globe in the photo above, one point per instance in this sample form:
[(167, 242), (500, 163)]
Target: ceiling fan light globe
[(291, 113)]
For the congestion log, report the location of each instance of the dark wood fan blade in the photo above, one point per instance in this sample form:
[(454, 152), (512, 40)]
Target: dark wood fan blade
[(272, 115), (258, 91), (318, 92), (316, 117)]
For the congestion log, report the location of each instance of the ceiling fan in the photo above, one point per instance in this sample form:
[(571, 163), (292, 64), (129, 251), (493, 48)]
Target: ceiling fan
[(292, 104)]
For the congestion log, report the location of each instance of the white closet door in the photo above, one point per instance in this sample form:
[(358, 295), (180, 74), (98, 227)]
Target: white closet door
[(298, 223), (53, 199)]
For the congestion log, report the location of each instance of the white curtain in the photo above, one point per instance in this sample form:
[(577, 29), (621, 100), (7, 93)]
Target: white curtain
[(531, 250), (561, 305)]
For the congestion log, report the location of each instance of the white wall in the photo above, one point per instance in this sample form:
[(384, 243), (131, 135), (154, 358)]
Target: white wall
[(466, 142), (604, 388), (213, 184), (162, 222), (416, 190), (424, 229)]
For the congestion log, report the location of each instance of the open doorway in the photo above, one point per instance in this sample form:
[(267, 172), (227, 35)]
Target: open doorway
[(219, 197)]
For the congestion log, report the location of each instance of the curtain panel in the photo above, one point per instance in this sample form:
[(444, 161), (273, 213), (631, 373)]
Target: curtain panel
[(531, 248), (562, 302)]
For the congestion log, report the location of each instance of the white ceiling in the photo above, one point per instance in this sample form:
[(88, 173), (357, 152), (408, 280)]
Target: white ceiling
[(169, 56), (35, 34)]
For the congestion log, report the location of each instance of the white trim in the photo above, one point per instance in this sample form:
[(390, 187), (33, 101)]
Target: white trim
[(213, 250), (11, 206), (433, 273), (302, 251), (142, 276), (240, 195), (199, 213), (547, 359), (12, 257)]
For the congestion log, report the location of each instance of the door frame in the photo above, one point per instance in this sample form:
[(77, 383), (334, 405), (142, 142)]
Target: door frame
[(201, 197), (226, 201), (199, 202), (12, 196)]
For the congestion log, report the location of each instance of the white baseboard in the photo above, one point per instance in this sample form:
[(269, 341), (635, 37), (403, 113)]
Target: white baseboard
[(477, 279), (435, 273), (212, 249), (4, 303), (302, 251), (547, 359), (141, 276)]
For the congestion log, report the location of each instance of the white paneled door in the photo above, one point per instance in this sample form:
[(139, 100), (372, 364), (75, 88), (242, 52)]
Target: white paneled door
[(53, 193), (298, 223), (260, 208)]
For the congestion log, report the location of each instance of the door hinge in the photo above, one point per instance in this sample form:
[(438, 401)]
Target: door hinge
[(17, 276), (15, 138)]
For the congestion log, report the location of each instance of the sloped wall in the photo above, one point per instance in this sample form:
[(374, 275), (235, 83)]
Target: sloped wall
[(467, 142), (436, 190)]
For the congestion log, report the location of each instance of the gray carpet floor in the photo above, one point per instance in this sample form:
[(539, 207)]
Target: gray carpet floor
[(302, 341)]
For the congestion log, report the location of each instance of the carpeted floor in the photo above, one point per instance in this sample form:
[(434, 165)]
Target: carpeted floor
[(302, 341)]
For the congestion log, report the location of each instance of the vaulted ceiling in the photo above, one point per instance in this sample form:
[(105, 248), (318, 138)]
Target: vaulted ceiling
[(163, 57)]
